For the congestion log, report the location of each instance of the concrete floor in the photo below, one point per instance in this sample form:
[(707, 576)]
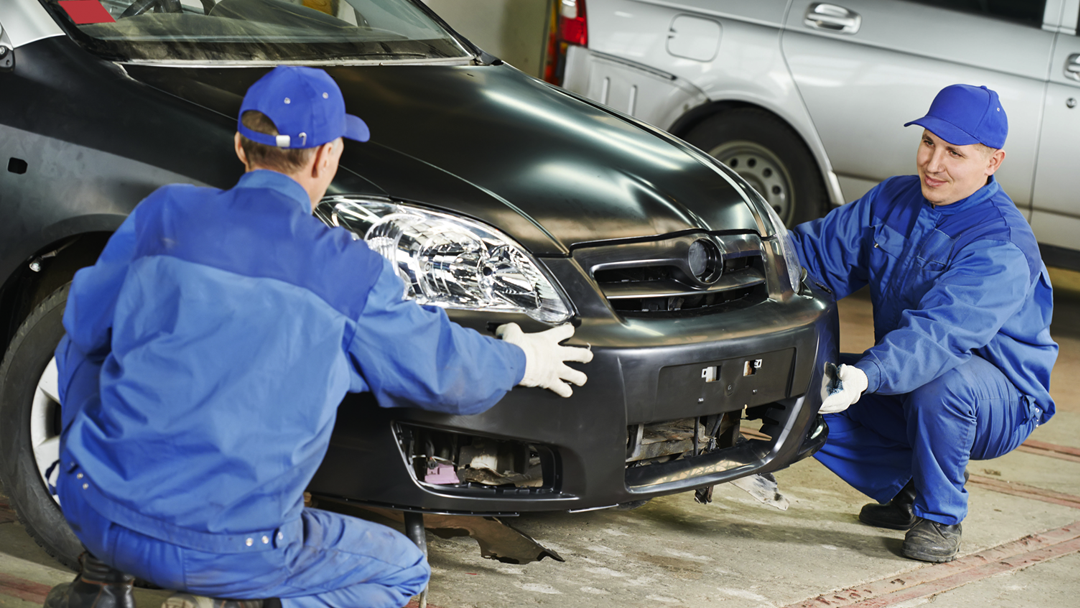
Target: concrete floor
[(1021, 542)]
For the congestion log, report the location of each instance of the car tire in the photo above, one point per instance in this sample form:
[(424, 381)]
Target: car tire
[(26, 424), (769, 155)]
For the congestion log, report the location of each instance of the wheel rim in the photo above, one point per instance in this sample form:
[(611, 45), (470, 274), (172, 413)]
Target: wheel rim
[(45, 424), (764, 171)]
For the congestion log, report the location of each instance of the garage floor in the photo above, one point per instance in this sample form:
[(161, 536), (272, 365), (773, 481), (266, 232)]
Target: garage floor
[(1021, 542)]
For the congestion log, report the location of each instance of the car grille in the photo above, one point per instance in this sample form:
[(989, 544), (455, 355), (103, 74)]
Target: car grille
[(654, 279)]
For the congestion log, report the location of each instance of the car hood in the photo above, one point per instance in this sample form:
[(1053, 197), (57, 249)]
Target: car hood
[(552, 170)]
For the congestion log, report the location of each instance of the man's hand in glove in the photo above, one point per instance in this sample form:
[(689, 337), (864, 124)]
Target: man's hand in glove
[(545, 360), (850, 387)]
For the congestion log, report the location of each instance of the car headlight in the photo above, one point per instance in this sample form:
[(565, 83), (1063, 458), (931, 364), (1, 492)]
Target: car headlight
[(450, 261), (787, 244)]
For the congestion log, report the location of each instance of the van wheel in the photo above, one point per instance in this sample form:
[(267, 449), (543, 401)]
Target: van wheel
[(30, 428), (769, 156)]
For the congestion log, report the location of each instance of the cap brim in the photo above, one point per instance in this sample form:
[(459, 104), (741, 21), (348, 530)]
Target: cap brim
[(945, 130), (356, 129)]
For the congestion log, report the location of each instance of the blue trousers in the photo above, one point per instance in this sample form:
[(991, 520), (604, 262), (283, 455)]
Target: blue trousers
[(969, 413), (341, 561)]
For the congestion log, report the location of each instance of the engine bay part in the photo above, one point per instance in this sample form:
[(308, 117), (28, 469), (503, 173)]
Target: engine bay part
[(442, 458)]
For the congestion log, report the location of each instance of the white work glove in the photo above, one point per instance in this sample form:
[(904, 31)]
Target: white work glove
[(850, 387), (545, 360)]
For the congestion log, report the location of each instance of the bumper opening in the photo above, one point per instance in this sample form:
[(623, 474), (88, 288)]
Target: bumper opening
[(458, 461), (670, 453)]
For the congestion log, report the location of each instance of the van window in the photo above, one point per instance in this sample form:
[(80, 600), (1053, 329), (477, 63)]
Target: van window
[(1028, 12)]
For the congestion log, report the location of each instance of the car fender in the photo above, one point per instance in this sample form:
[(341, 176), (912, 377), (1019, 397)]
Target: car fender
[(729, 99), (635, 53), (688, 100)]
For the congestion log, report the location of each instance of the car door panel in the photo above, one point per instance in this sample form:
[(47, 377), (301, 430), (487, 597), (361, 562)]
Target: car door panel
[(630, 66), (764, 12), (897, 59), (1056, 214)]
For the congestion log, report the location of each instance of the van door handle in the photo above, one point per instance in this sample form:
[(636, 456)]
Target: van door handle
[(1072, 67), (832, 18)]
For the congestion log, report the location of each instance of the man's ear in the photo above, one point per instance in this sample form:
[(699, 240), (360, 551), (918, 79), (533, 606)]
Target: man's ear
[(240, 150), (994, 162), (322, 158)]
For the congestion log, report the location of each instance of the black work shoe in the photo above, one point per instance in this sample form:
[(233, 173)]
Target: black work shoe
[(187, 600), (930, 541), (897, 514), (97, 586)]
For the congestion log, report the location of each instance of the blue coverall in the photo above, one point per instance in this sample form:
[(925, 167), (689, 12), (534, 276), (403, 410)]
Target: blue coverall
[(206, 355), (961, 364)]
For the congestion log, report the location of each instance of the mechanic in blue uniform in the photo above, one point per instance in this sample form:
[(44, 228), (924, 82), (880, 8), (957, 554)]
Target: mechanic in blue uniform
[(960, 368), (206, 354)]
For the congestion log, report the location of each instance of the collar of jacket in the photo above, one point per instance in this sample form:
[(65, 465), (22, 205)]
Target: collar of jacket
[(981, 195), (272, 180)]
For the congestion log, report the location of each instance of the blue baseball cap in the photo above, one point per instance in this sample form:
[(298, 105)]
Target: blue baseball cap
[(962, 114), (306, 106)]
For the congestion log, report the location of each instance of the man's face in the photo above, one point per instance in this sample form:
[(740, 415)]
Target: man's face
[(949, 173)]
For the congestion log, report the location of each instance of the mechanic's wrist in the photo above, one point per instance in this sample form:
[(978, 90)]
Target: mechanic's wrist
[(873, 373), (519, 362)]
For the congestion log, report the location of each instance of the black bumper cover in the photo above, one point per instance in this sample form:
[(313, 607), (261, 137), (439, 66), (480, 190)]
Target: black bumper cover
[(641, 373)]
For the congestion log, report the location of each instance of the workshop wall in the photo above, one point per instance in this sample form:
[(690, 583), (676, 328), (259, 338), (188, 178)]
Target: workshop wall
[(512, 30)]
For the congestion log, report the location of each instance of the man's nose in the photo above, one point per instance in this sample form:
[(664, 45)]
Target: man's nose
[(934, 164)]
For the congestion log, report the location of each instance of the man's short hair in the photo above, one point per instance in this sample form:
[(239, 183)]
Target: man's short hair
[(285, 160)]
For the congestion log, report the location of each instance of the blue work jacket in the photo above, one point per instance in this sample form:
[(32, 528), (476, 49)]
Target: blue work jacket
[(946, 282), (208, 350)]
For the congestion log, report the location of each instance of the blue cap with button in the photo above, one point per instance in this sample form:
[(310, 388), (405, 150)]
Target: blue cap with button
[(962, 114), (305, 105)]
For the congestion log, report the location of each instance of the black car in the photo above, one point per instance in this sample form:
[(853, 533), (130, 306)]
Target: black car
[(498, 196)]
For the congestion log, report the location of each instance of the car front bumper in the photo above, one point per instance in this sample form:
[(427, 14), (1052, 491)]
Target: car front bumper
[(768, 361)]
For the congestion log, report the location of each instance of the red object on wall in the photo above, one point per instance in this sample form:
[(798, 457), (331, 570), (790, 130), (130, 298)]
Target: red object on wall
[(86, 11)]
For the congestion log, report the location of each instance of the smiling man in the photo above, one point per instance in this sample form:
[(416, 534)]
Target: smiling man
[(960, 369)]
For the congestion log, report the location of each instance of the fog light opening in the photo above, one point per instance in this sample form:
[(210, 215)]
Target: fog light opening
[(443, 458), (660, 442)]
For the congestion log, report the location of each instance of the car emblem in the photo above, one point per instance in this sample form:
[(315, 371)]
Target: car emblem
[(705, 260)]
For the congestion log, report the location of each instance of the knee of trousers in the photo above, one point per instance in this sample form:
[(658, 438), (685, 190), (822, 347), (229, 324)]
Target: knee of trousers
[(950, 395)]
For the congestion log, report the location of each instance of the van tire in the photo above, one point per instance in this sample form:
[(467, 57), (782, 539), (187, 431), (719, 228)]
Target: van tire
[(769, 155)]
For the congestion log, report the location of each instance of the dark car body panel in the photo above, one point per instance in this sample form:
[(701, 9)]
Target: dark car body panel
[(557, 174), (515, 139)]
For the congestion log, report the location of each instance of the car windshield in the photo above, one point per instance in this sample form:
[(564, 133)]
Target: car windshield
[(320, 31)]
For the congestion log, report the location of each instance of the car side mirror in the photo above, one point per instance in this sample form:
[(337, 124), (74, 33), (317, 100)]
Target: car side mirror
[(7, 52)]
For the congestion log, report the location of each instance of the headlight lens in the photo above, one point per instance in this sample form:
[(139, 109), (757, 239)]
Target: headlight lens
[(787, 245), (450, 261)]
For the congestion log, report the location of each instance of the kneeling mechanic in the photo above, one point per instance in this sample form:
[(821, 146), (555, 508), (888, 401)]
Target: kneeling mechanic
[(962, 303), (206, 354)]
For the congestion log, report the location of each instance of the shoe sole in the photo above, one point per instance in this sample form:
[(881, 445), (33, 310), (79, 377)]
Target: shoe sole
[(931, 557)]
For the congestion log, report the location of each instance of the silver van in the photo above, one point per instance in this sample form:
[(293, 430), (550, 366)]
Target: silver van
[(806, 100)]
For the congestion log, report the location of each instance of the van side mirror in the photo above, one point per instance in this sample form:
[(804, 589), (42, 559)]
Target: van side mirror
[(7, 52)]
